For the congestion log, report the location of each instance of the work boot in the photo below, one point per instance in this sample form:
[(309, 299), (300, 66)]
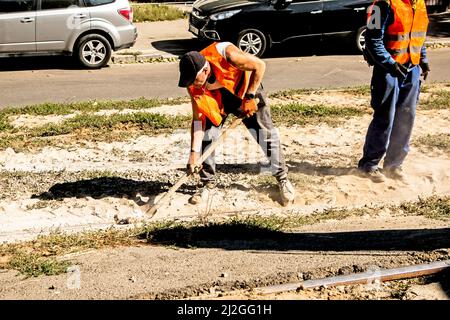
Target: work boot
[(374, 174), (201, 194), (395, 173), (287, 192)]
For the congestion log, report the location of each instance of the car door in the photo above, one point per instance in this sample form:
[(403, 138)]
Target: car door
[(17, 26), (302, 18), (344, 16), (57, 21)]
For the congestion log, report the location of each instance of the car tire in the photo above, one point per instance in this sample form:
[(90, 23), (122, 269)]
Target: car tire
[(93, 51), (360, 40), (253, 41)]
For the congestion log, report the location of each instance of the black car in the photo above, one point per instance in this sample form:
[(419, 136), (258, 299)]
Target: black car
[(255, 25)]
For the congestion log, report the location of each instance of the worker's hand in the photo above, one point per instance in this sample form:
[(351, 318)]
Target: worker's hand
[(425, 69), (193, 158), (249, 107), (398, 70)]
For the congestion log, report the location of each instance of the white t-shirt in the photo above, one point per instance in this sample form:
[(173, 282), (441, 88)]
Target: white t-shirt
[(221, 47)]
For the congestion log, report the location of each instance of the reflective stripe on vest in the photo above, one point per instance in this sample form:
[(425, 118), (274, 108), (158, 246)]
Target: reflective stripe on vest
[(209, 103)]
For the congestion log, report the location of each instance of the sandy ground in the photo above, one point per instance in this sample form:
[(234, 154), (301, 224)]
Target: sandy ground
[(321, 159), (60, 188)]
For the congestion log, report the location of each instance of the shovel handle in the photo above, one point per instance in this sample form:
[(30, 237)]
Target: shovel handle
[(216, 143), (152, 210), (164, 199)]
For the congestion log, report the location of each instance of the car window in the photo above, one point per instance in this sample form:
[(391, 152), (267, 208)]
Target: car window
[(58, 4), (7, 6), (93, 3)]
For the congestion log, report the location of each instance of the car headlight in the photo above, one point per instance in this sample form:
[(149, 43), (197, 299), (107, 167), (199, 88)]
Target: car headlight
[(224, 15)]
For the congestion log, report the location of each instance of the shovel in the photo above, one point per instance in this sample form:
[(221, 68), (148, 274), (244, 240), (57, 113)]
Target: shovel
[(151, 211)]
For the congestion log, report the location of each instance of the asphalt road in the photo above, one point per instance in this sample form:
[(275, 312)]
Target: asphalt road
[(31, 81)]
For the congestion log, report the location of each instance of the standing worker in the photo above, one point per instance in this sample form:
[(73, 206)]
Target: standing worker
[(222, 79), (396, 31)]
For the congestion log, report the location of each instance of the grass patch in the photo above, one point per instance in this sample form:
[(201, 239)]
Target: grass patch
[(45, 109), (145, 12), (292, 92), (359, 90), (187, 235), (33, 265), (424, 88), (59, 243), (39, 257), (297, 113), (436, 141), (434, 207), (25, 142), (151, 121), (246, 228), (54, 204), (4, 123), (88, 127), (437, 100)]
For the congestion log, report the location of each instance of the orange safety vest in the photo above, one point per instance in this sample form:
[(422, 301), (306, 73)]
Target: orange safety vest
[(405, 37), (209, 103)]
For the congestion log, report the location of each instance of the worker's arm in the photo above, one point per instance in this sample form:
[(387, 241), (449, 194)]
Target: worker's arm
[(376, 28), (197, 134), (424, 65), (423, 54), (247, 62)]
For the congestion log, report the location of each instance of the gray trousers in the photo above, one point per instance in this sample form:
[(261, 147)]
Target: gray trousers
[(262, 129)]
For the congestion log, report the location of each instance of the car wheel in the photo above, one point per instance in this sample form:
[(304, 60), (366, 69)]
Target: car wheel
[(252, 41), (361, 39), (94, 51)]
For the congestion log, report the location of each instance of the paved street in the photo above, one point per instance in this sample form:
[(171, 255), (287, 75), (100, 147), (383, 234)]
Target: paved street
[(295, 65), (21, 87)]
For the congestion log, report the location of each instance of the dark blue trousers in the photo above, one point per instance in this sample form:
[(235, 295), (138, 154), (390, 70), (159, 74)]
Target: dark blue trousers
[(394, 103)]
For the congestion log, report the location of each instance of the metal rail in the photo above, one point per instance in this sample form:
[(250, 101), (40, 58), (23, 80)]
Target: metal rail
[(362, 278)]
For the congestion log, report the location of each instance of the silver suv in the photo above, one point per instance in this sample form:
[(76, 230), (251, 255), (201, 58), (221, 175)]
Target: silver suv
[(86, 29)]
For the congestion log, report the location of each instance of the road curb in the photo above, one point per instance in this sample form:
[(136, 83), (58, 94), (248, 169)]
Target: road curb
[(142, 58), (438, 43), (151, 57)]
